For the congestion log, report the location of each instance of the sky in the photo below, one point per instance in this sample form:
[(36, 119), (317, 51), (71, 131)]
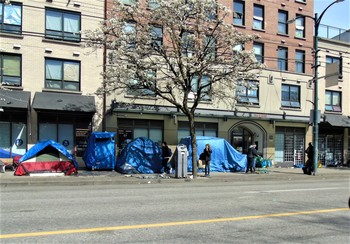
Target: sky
[(338, 15)]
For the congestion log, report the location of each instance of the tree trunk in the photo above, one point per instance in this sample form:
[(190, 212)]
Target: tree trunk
[(193, 144)]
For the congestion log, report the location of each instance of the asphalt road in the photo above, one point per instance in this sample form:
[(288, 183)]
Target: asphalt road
[(190, 212)]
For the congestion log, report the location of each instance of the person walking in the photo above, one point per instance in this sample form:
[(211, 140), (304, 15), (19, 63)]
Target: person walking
[(252, 153), (207, 157), (308, 169), (166, 154)]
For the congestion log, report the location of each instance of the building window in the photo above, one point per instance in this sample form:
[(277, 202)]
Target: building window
[(11, 18), (258, 18), (187, 43), (282, 58), (290, 96), (156, 33), (282, 22), (140, 87), (13, 138), (333, 101), (203, 84), (238, 12), (62, 74), (129, 2), (62, 25), (337, 60), (300, 61), (259, 51), (248, 93), (152, 4), (202, 129), (300, 26), (210, 44), (129, 30), (10, 69), (212, 14)]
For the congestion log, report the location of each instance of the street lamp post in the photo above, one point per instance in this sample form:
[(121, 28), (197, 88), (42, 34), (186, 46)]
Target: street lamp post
[(317, 21)]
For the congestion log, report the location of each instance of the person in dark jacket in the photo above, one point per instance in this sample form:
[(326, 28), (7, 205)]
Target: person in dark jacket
[(308, 169), (207, 157), (166, 154), (252, 153)]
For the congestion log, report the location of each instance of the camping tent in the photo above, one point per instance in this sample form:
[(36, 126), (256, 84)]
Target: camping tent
[(47, 157), (140, 156), (100, 151), (224, 157)]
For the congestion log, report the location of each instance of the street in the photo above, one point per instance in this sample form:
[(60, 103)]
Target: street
[(299, 211)]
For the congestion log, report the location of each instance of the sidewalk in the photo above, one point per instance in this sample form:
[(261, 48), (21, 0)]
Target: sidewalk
[(85, 177)]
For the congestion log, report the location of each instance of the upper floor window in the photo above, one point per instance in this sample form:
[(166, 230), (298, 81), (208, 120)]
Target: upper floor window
[(62, 74), (338, 60), (248, 93), (259, 51), (333, 101), (210, 43), (129, 30), (238, 12), (202, 83), (138, 87), (282, 22), (152, 4), (282, 58), (300, 61), (187, 43), (11, 18), (300, 26), (258, 18), (129, 2), (62, 25), (10, 69), (290, 96), (156, 33)]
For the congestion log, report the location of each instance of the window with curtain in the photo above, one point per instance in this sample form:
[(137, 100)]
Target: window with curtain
[(62, 74), (249, 92), (258, 18), (187, 43), (10, 69), (300, 26), (238, 12), (333, 101), (282, 58), (282, 22), (11, 18), (290, 96), (62, 25), (300, 61), (259, 51), (138, 88)]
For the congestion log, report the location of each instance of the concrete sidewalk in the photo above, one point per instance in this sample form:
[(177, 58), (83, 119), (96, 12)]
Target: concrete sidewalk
[(85, 177)]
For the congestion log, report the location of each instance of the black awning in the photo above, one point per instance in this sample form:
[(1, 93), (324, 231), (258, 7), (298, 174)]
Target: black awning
[(64, 102), (14, 99), (338, 120)]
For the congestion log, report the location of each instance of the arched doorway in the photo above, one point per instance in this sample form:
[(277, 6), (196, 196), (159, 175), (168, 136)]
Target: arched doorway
[(245, 133)]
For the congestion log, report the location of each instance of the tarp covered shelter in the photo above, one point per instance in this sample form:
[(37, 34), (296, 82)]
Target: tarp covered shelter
[(47, 157), (100, 151), (141, 155), (224, 157)]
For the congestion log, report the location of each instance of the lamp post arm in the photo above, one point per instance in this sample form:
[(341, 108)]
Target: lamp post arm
[(318, 20)]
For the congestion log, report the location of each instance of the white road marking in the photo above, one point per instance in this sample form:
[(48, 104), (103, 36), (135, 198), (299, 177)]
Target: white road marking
[(297, 190)]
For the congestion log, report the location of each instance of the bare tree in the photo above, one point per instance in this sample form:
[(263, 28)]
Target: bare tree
[(180, 51)]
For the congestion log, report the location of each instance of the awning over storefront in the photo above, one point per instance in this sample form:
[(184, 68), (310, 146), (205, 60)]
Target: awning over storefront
[(14, 99), (64, 102), (338, 120)]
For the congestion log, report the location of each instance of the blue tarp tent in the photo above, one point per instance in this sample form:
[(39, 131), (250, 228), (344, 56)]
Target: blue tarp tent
[(141, 155), (224, 157), (100, 151)]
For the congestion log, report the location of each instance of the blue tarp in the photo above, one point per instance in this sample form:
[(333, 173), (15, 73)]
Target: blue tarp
[(100, 151), (141, 155), (43, 146), (7, 154), (224, 157)]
